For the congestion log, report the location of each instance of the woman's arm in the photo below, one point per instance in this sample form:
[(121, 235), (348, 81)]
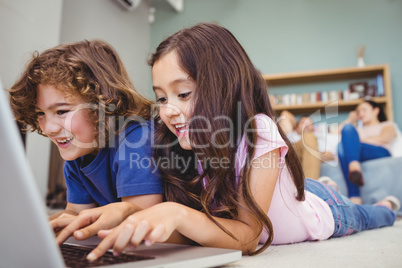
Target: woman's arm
[(352, 119), (386, 136), (157, 223)]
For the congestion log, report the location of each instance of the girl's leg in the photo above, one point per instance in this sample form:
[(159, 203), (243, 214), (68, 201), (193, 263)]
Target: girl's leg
[(350, 218)]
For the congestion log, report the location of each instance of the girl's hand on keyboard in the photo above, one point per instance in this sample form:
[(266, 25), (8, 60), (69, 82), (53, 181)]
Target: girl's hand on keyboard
[(155, 224)]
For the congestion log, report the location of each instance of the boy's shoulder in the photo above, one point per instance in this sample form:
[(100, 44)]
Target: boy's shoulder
[(136, 131), (137, 127)]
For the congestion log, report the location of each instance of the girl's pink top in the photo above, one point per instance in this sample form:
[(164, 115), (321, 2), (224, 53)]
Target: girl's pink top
[(293, 221)]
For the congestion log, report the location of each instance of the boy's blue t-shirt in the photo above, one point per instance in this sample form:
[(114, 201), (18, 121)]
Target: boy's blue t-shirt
[(125, 168)]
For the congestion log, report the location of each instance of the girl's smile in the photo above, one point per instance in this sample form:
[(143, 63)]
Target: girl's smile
[(181, 130), (173, 90), (65, 120)]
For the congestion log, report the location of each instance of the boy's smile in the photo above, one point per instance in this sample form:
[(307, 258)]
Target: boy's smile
[(65, 120)]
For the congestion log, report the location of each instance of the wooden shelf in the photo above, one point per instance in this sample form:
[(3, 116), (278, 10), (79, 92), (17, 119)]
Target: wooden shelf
[(348, 73), (310, 107)]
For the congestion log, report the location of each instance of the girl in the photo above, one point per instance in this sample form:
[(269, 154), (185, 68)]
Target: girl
[(79, 96), (245, 184), (375, 139)]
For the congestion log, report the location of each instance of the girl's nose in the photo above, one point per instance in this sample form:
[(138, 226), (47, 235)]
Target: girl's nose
[(171, 110)]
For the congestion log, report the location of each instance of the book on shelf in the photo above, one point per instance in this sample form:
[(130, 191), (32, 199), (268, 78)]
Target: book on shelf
[(380, 85), (356, 90)]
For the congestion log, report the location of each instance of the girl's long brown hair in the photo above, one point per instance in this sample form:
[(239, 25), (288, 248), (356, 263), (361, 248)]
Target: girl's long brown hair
[(228, 85), (91, 69)]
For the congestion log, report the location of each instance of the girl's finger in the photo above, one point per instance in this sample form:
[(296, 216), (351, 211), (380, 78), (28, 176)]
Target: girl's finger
[(104, 245), (123, 238), (141, 231), (157, 235)]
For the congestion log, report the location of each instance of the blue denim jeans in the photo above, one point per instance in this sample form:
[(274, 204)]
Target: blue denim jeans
[(350, 218), (351, 149)]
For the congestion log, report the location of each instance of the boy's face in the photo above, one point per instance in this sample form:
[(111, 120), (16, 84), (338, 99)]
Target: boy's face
[(66, 121)]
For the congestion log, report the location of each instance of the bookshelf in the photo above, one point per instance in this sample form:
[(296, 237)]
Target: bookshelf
[(331, 75)]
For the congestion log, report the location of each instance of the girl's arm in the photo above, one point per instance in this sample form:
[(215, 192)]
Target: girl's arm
[(386, 136), (144, 201), (157, 223)]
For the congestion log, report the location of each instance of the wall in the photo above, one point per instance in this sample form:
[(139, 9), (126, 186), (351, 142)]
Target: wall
[(297, 35), (127, 31), (26, 26)]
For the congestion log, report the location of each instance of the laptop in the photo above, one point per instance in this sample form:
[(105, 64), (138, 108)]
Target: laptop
[(27, 240)]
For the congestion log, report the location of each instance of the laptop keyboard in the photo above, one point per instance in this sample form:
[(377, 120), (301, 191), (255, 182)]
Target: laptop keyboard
[(75, 256)]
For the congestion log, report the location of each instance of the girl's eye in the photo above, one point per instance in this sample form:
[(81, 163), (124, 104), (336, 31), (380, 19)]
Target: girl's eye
[(184, 95), (161, 100), (61, 112), (38, 114)]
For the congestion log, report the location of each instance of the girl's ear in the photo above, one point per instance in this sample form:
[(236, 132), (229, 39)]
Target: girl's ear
[(376, 111)]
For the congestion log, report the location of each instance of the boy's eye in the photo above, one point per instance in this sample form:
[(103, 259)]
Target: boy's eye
[(161, 100), (61, 112), (184, 95)]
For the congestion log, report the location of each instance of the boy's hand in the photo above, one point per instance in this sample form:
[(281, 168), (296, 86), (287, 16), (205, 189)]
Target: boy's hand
[(61, 221), (92, 220)]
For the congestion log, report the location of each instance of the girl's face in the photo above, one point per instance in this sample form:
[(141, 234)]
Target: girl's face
[(367, 114), (65, 120), (174, 91)]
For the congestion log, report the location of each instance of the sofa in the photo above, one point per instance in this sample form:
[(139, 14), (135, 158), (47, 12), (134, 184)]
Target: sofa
[(382, 177)]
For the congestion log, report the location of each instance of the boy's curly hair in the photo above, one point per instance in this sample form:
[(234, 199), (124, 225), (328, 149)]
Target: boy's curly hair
[(91, 69)]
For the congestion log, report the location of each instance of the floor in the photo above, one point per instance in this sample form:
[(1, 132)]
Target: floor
[(374, 248)]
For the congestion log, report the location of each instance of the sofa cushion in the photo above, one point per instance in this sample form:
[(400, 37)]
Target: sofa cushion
[(382, 177)]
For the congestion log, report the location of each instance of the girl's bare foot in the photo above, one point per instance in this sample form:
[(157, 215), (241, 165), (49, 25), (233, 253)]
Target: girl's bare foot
[(328, 181), (390, 202)]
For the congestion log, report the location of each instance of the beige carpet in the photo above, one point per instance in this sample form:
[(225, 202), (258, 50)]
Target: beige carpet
[(374, 248)]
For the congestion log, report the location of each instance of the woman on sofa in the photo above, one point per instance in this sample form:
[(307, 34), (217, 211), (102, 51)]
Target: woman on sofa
[(374, 139)]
